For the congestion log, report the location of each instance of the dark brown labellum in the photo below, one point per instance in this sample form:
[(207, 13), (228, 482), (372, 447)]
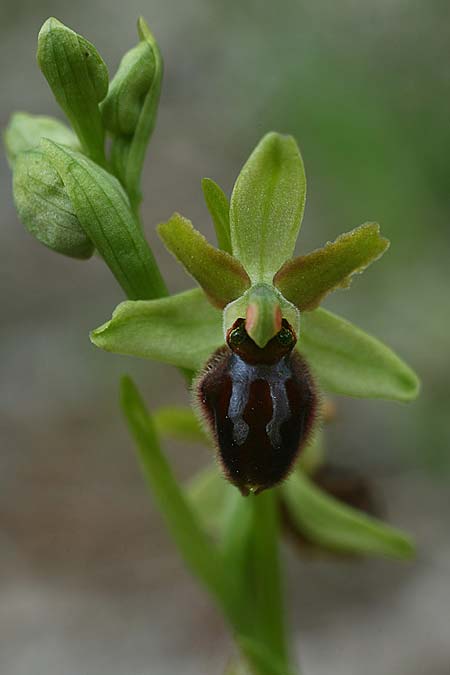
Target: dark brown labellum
[(260, 405)]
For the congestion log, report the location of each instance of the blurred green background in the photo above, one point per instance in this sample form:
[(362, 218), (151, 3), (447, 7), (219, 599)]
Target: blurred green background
[(89, 580)]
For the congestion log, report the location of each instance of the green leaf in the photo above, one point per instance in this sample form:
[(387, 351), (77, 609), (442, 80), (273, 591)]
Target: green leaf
[(24, 132), (179, 423), (306, 280), (267, 207), (262, 660), (131, 107), (182, 330), (220, 275), (44, 206), (337, 526), (194, 544), (104, 212), (78, 78), (219, 208), (349, 361)]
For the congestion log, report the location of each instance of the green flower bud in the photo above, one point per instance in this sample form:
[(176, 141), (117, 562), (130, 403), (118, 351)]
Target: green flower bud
[(24, 132), (128, 89), (78, 78), (44, 206)]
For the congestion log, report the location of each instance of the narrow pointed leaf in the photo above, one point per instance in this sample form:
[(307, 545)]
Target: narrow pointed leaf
[(78, 78), (24, 132), (104, 212), (220, 275), (44, 206), (338, 526), (182, 330), (267, 207), (194, 544), (219, 208), (306, 280), (349, 361)]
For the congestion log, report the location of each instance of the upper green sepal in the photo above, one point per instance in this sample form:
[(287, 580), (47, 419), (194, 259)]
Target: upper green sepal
[(221, 276), (44, 206), (306, 280), (24, 132), (267, 207), (78, 78)]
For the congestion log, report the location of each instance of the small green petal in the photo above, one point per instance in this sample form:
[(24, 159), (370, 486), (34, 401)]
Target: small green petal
[(348, 361), (78, 78), (267, 207), (219, 208), (338, 526), (220, 275), (306, 280), (182, 330)]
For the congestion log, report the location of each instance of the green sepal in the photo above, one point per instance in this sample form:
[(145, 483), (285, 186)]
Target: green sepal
[(103, 209), (182, 330), (339, 527), (131, 107), (219, 209), (24, 132), (220, 275), (44, 206), (78, 78), (306, 280), (267, 207), (349, 361)]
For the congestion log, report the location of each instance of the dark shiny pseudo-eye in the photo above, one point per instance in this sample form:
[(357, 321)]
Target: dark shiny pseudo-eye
[(260, 405)]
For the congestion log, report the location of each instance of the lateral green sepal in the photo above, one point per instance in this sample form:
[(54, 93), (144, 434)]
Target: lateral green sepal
[(182, 330), (349, 361), (306, 280)]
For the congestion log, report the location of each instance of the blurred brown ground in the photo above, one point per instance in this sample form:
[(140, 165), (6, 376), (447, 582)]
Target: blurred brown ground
[(89, 581)]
